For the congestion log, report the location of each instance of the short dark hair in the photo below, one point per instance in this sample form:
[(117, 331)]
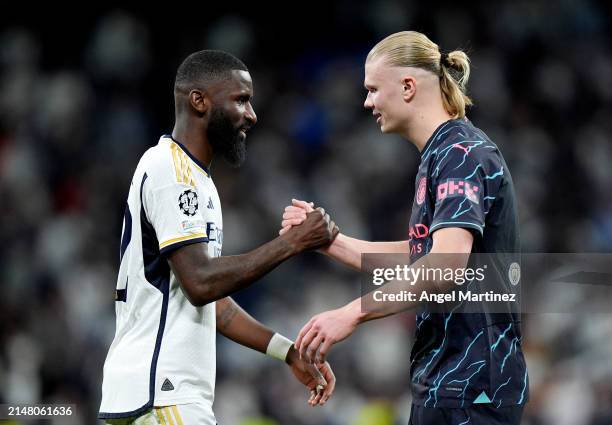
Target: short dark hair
[(204, 67)]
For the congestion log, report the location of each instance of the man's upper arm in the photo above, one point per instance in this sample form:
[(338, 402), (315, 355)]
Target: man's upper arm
[(186, 263), (172, 206), (452, 240)]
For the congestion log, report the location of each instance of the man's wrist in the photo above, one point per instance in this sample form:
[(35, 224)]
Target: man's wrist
[(279, 347), (354, 312), (290, 246), (333, 246), (292, 355)]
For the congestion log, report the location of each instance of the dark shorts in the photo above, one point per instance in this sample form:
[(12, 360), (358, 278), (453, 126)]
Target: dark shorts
[(479, 415)]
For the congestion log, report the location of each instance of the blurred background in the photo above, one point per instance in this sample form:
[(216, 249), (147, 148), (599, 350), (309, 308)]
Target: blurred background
[(84, 92)]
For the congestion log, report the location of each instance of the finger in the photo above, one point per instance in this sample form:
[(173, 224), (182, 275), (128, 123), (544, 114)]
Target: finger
[(292, 222), (308, 206), (324, 349), (295, 210), (303, 331), (313, 346), (288, 215), (331, 227), (313, 395), (319, 394), (295, 213), (334, 230), (321, 210), (284, 230), (292, 208), (328, 374), (306, 340), (319, 386)]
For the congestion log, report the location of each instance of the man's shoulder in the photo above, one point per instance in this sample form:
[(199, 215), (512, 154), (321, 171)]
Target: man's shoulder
[(158, 165), (162, 156), (159, 155), (466, 143)]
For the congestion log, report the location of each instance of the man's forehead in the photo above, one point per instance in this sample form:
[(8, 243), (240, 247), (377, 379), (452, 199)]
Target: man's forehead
[(242, 80), (373, 71), (236, 81)]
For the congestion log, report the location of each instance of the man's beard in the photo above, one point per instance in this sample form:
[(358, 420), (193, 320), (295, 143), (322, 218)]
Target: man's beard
[(225, 139)]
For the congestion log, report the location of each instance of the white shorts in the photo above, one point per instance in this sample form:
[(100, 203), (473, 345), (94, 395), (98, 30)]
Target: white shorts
[(181, 414)]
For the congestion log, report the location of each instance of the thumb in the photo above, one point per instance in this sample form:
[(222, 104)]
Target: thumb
[(319, 378)]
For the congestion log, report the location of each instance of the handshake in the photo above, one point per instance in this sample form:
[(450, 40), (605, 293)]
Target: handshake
[(306, 227)]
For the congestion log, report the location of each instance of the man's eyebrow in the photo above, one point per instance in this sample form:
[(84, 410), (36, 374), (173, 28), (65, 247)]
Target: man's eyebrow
[(244, 94)]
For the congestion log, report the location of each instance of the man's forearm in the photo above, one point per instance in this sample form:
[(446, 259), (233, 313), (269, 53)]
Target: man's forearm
[(219, 277), (377, 303), (206, 279), (237, 325), (228, 274), (348, 250)]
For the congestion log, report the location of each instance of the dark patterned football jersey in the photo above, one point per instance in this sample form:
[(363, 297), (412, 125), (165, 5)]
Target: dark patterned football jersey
[(461, 359)]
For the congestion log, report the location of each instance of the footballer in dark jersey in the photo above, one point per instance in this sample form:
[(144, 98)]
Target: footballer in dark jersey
[(466, 368)]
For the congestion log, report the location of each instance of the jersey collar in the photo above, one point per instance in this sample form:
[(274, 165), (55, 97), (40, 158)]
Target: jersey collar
[(434, 137), (193, 158)]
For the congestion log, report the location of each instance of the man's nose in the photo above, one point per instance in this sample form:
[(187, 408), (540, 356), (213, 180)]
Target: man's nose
[(368, 102), (250, 116)]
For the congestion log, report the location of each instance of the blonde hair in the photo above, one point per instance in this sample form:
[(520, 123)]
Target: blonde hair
[(413, 49)]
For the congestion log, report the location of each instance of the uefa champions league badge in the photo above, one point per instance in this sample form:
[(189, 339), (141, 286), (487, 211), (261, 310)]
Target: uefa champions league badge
[(188, 202)]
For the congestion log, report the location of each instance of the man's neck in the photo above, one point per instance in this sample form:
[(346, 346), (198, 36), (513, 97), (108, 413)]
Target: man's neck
[(194, 139), (423, 126)]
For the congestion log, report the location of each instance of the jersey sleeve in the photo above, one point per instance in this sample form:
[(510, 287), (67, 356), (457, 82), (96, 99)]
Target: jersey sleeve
[(465, 181), (173, 209)]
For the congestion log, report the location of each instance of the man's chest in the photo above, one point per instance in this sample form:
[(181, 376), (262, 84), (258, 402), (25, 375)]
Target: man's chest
[(421, 216), (210, 207)]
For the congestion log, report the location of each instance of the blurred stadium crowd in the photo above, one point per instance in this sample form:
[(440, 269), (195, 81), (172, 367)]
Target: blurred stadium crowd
[(78, 106)]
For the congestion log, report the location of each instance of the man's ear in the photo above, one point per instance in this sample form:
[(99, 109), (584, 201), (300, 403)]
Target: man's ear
[(199, 101), (408, 88)]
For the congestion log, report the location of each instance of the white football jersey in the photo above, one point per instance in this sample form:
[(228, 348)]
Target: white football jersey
[(163, 352)]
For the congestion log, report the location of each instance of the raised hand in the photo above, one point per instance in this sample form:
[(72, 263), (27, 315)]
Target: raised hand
[(295, 214), (316, 230)]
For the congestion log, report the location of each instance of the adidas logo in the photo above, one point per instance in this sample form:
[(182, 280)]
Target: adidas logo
[(167, 385), (210, 204)]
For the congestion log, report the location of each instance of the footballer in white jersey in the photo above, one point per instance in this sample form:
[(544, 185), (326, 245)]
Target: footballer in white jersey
[(169, 356), (173, 286)]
